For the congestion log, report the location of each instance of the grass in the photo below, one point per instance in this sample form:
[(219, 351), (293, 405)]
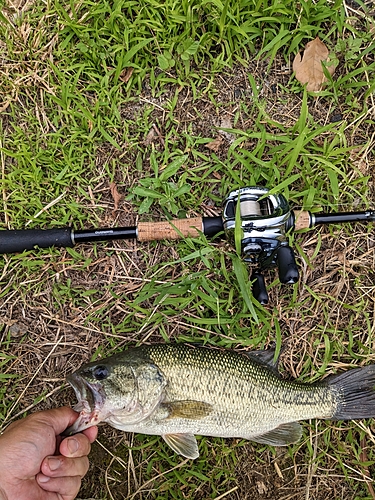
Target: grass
[(133, 93)]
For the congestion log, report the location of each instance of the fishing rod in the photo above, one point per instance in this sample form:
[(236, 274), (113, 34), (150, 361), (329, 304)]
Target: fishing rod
[(262, 219)]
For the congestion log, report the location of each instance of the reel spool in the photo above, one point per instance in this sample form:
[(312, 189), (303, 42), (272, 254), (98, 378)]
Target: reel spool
[(265, 220)]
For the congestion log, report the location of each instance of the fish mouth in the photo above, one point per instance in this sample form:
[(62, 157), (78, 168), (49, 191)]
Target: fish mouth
[(91, 399)]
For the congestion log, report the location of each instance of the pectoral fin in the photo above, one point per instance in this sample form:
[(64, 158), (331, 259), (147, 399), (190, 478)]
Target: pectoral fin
[(282, 435), (193, 410), (183, 444)]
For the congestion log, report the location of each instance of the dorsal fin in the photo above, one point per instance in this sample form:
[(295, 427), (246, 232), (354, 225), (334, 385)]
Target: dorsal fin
[(265, 357)]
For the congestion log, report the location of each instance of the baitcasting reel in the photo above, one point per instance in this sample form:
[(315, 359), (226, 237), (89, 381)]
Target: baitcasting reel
[(264, 220)]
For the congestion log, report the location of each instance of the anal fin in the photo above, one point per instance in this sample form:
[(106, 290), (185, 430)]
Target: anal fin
[(183, 444), (282, 435)]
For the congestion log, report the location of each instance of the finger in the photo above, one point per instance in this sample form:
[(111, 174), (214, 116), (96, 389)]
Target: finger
[(67, 487), (75, 446), (57, 418), (62, 418), (60, 466), (91, 433)]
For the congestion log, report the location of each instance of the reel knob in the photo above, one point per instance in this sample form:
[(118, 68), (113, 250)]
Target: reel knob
[(286, 263), (259, 288)]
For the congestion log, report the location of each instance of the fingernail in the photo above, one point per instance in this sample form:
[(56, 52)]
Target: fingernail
[(72, 445), (43, 479), (54, 463)]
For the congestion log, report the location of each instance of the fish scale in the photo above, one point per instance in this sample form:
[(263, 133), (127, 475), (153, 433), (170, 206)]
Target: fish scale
[(178, 391), (230, 382)]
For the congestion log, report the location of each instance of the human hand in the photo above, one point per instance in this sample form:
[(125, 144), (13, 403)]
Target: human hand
[(37, 464)]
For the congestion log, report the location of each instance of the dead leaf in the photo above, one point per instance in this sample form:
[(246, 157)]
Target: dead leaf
[(216, 144), (226, 122), (309, 68), (126, 74), (115, 195), (358, 158), (17, 330), (153, 133), (262, 488), (150, 137)]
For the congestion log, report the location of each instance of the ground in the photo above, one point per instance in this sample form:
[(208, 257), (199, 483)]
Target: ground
[(97, 299)]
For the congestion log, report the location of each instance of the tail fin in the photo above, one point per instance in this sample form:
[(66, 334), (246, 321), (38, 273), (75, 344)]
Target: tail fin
[(354, 392)]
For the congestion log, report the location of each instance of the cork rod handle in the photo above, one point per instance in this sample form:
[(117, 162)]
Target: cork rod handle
[(302, 219), (174, 229)]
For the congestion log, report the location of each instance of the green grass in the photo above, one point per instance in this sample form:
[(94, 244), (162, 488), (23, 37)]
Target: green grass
[(81, 86)]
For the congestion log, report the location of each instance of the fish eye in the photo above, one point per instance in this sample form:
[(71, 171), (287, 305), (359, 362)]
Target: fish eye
[(100, 372)]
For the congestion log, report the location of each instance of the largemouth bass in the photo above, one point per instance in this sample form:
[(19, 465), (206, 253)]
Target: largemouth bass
[(178, 391)]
